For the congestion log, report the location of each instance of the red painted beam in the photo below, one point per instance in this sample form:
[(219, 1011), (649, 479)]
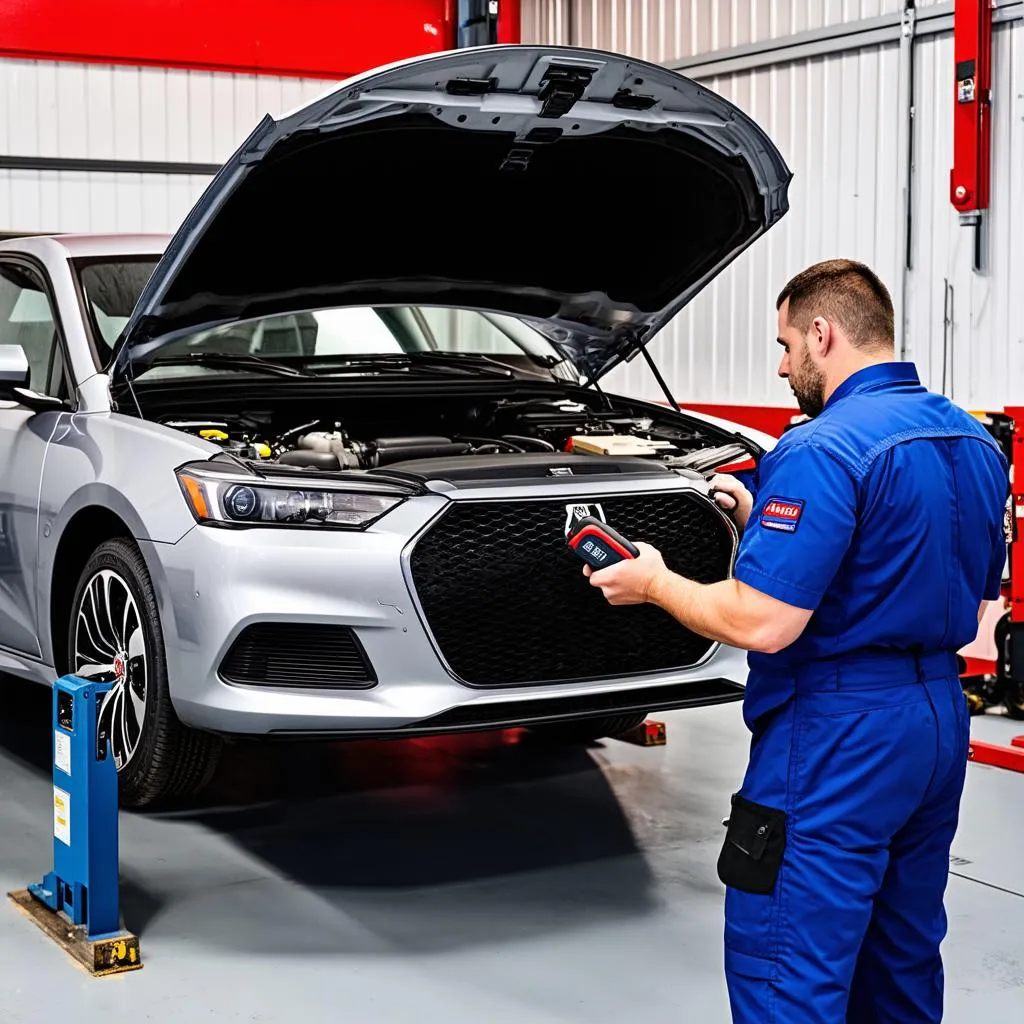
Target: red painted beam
[(1011, 758), (979, 667), (329, 39)]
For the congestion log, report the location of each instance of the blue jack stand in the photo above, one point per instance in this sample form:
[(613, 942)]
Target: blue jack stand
[(76, 903)]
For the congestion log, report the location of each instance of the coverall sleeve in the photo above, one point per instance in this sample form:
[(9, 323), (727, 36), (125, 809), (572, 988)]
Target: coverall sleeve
[(800, 527)]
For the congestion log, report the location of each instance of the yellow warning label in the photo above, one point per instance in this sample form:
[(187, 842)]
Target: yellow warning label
[(62, 815)]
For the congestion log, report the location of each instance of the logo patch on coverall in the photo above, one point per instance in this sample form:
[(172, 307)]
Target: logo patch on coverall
[(782, 514)]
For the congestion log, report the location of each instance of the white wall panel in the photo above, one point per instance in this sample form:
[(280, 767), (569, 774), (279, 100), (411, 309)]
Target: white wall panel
[(979, 359), (835, 118), (835, 121), (92, 111), (665, 30), (101, 111), (50, 201)]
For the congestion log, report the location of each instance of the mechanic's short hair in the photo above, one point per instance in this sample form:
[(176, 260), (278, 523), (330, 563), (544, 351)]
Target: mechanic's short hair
[(848, 294)]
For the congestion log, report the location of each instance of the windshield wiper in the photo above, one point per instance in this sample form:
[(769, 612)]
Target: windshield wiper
[(469, 363), (475, 359), (221, 361)]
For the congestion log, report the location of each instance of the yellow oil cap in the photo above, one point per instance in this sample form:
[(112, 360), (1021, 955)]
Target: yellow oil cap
[(263, 450), (213, 435)]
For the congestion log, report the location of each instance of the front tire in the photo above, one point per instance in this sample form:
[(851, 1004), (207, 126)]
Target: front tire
[(114, 636)]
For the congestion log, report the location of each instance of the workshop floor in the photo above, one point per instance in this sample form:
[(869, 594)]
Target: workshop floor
[(465, 880)]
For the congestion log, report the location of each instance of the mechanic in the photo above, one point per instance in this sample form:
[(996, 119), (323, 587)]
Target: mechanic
[(869, 547)]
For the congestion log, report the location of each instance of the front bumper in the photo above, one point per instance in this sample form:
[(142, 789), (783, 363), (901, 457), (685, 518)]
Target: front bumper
[(213, 583)]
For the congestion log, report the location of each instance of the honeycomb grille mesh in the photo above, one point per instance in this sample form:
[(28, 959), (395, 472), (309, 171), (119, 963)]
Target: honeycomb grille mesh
[(508, 605)]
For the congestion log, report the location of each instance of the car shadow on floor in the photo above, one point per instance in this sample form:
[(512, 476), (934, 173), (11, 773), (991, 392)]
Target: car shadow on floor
[(421, 844), (470, 806), (25, 723), (439, 843)]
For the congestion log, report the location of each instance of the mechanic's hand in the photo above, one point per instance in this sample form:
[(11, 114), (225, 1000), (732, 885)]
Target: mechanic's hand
[(629, 581), (732, 496)]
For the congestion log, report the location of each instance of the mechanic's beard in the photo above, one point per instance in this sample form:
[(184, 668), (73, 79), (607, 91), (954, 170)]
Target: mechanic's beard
[(809, 387)]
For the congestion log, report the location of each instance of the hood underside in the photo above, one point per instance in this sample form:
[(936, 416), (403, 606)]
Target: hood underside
[(589, 191)]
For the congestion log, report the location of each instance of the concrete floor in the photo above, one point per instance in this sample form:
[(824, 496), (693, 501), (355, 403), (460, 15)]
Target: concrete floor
[(473, 879)]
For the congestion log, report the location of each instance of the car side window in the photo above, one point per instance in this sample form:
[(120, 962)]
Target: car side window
[(26, 319)]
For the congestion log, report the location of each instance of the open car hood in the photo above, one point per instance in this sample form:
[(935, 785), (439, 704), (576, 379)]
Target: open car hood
[(592, 192)]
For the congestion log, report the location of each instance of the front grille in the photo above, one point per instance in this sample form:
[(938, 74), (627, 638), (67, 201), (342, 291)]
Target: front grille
[(508, 605), (298, 656)]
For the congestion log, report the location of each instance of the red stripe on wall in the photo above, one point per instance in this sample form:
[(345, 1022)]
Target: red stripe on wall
[(329, 39)]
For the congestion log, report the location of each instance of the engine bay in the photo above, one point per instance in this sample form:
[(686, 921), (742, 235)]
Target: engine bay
[(361, 435)]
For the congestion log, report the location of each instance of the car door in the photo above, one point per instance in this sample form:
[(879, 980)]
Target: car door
[(27, 318)]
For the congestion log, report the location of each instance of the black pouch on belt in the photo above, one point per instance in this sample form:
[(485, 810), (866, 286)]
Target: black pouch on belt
[(755, 841)]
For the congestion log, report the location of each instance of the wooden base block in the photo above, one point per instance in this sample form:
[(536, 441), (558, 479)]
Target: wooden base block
[(114, 955)]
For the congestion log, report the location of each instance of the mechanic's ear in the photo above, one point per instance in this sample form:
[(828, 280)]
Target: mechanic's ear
[(822, 336)]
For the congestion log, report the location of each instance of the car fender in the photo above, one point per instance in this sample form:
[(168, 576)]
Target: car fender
[(109, 462), (124, 464), (101, 496)]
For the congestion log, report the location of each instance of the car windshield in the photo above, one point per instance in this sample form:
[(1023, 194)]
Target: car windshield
[(112, 289)]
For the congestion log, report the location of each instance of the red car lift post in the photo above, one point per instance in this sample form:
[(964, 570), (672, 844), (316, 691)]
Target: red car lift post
[(1014, 648), (1010, 633), (970, 177)]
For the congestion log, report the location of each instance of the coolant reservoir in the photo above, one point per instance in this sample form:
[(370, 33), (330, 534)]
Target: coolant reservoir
[(321, 441), (617, 444)]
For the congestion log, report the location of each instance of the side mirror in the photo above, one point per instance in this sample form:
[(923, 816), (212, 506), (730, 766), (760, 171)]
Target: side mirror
[(15, 375), (14, 369)]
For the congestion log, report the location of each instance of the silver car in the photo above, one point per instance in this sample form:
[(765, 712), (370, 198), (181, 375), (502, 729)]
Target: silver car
[(307, 468)]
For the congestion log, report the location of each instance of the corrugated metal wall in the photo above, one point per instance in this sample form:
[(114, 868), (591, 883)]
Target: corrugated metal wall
[(94, 111), (667, 30), (836, 123), (836, 119), (978, 358)]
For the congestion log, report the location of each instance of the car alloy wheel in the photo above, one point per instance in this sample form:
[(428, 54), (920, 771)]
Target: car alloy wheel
[(110, 647), (114, 633)]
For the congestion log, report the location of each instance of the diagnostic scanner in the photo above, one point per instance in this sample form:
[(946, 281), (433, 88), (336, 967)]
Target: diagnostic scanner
[(599, 545)]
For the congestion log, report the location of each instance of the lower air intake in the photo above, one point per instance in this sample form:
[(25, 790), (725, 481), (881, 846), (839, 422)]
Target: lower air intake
[(298, 656), (508, 605)]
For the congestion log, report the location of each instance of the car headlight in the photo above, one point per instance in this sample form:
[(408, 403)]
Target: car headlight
[(231, 501)]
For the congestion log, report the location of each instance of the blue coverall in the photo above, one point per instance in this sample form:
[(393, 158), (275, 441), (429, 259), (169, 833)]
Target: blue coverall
[(884, 516)]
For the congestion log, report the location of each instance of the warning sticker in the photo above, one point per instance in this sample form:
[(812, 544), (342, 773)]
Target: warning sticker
[(62, 751), (62, 815)]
